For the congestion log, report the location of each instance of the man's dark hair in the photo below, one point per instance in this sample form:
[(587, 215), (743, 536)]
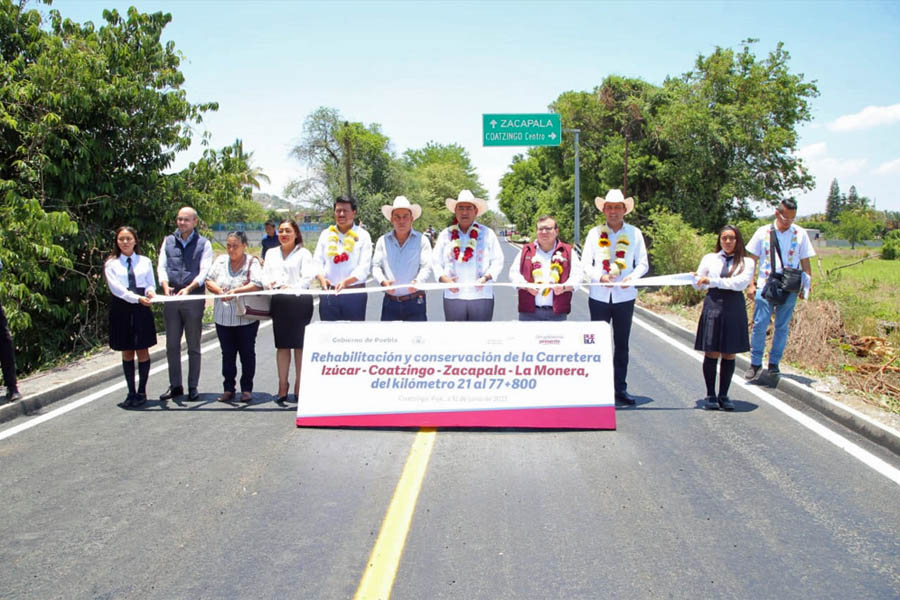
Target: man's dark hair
[(347, 199), (789, 203), (271, 223)]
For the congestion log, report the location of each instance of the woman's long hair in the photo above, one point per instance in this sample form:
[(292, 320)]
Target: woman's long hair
[(116, 251), (737, 265)]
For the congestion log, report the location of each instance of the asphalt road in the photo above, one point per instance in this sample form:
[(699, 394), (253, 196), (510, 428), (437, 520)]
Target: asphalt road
[(205, 500)]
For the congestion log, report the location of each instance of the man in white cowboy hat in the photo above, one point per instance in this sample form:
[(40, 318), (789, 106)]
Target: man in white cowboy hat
[(402, 256), (467, 252), (343, 258), (615, 251)]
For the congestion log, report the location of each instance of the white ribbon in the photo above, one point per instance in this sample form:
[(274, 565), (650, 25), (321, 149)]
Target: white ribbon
[(659, 280)]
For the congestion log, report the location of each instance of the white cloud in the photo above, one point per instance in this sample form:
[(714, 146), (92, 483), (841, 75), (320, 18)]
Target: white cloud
[(870, 116), (812, 151), (892, 166)]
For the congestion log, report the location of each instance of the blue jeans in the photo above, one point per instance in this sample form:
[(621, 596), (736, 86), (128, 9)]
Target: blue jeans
[(762, 314)]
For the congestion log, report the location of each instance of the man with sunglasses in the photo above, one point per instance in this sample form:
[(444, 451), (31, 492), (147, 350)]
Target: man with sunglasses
[(550, 261), (795, 252)]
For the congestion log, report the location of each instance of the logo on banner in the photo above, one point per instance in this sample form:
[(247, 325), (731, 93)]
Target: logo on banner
[(589, 338)]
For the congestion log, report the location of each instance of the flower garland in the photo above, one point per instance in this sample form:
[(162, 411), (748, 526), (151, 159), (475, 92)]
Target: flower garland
[(458, 253), (556, 269), (610, 265), (766, 267), (350, 240)]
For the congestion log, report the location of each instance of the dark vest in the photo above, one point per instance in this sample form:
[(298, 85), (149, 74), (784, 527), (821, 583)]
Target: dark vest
[(562, 303), (183, 261)]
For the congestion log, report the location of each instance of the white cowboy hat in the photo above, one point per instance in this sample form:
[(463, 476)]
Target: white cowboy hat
[(401, 202), (466, 196), (615, 196)]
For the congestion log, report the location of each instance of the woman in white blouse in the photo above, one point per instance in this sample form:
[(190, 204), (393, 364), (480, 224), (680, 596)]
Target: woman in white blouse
[(131, 327), (235, 272), (722, 330), (289, 267)]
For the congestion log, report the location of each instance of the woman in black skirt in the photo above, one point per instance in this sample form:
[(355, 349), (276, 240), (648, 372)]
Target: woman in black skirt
[(289, 267), (722, 330), (131, 328)]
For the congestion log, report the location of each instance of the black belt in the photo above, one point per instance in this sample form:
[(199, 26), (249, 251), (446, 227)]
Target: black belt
[(347, 287), (543, 307), (404, 298)]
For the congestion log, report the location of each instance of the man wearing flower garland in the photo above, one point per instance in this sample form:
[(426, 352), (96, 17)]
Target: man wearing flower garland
[(467, 252), (796, 250), (402, 257), (343, 258), (550, 261), (615, 251)]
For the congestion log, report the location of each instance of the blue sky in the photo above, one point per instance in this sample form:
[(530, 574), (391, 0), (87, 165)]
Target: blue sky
[(429, 70)]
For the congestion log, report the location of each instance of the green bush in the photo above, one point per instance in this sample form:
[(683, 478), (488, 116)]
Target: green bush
[(676, 247), (890, 250)]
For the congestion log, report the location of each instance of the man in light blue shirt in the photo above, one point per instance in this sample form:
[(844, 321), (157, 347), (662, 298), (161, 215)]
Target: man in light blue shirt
[(402, 256)]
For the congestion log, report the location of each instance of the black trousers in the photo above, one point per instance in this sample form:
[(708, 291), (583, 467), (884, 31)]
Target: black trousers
[(7, 354), (620, 314), (238, 340)]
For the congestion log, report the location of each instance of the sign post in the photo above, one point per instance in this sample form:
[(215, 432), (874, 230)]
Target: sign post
[(542, 129)]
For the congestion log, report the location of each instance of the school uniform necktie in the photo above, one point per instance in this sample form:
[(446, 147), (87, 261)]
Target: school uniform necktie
[(727, 266), (132, 280)]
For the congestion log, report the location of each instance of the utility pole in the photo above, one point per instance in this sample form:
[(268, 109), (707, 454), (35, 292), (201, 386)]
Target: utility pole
[(347, 157), (577, 233)]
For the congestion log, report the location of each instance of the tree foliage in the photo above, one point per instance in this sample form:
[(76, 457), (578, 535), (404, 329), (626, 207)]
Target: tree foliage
[(706, 144), (426, 175), (90, 117), (856, 226)]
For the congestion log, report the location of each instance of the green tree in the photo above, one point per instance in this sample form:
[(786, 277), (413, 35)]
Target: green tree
[(375, 174), (856, 226), (731, 128), (435, 173), (90, 117), (834, 204)]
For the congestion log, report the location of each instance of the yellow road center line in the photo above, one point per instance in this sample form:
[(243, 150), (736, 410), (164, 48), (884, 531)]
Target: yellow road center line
[(378, 578)]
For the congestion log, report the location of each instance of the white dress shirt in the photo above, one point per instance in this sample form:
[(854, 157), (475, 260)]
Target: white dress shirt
[(486, 260), (546, 259), (401, 264), (206, 260), (296, 270), (711, 266), (358, 264), (116, 271), (636, 264)]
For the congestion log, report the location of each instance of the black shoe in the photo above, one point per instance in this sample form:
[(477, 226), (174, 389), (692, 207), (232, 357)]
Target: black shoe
[(172, 392), (625, 398), (711, 403), (752, 372), (725, 403), (774, 370), (138, 400), (193, 395), (13, 396)]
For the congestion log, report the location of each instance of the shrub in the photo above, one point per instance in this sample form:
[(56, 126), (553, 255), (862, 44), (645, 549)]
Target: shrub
[(676, 247)]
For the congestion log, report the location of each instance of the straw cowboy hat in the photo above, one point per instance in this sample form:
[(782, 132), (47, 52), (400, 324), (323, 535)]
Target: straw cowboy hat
[(466, 196), (401, 202), (615, 196)]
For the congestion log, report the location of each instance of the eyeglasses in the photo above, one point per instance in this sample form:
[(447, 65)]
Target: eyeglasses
[(546, 229)]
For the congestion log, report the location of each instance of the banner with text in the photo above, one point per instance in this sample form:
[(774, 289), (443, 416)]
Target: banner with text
[(460, 374)]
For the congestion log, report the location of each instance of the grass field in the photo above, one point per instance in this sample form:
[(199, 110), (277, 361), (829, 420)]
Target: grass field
[(868, 293)]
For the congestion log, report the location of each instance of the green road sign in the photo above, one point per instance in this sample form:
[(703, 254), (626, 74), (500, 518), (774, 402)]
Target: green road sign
[(521, 130)]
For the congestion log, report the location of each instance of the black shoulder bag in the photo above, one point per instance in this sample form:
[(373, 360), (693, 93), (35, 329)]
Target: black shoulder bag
[(780, 285)]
